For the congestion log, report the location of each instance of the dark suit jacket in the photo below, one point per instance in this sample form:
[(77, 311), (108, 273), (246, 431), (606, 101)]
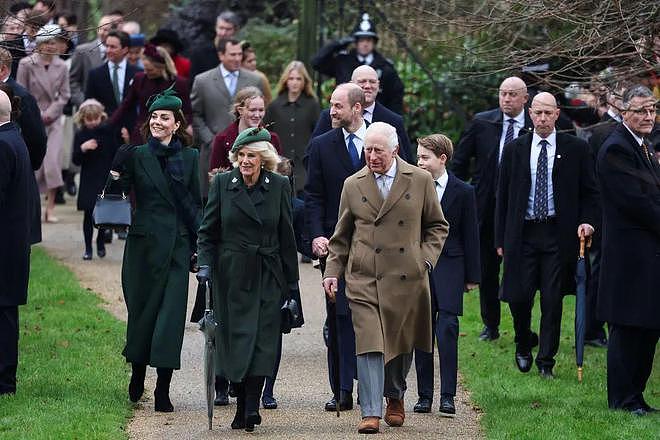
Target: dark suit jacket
[(328, 165), (99, 87), (16, 209), (630, 264), (575, 199), (459, 262), (381, 114), (600, 132), (481, 140), (203, 59)]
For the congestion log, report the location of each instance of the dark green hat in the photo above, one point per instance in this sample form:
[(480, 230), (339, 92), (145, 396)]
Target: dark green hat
[(166, 100), (250, 135)]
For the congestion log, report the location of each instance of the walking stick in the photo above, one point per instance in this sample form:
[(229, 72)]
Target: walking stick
[(331, 311)]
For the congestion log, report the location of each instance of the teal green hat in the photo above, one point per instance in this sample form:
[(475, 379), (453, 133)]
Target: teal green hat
[(166, 100), (250, 135)]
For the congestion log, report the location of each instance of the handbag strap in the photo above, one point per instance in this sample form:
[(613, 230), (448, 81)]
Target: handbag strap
[(107, 183)]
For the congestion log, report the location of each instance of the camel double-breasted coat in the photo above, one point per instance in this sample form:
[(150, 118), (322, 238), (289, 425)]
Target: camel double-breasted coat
[(381, 247), (50, 88)]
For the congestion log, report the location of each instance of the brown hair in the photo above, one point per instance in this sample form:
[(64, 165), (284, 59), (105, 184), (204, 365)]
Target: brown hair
[(439, 144), (243, 97), (300, 68), (180, 133)]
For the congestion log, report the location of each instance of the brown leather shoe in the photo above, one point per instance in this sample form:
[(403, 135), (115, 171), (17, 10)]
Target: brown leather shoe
[(395, 414), (369, 425)]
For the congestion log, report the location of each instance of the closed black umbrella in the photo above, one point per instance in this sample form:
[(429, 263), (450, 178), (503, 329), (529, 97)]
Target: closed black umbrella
[(208, 325), (581, 305)]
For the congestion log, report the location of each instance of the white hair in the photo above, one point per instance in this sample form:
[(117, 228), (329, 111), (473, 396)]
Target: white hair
[(386, 130), (5, 107), (266, 151)]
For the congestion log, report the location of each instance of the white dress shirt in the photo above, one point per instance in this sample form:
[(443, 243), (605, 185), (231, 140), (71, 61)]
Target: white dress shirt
[(533, 162), (227, 76), (366, 59), (368, 113), (639, 140), (384, 181), (121, 75), (358, 139), (441, 185), (520, 123), (613, 115)]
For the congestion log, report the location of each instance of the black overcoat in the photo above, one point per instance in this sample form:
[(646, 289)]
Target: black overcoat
[(248, 240), (95, 164), (629, 288), (575, 197), (16, 209), (459, 262)]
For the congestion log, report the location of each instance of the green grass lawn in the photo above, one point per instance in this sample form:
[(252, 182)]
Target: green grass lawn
[(72, 377), (524, 406)]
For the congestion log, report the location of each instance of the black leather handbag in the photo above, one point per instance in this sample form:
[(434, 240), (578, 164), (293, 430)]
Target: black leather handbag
[(291, 316), (112, 211)]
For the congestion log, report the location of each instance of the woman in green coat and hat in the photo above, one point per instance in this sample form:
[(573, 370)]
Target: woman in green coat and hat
[(163, 174), (247, 238)]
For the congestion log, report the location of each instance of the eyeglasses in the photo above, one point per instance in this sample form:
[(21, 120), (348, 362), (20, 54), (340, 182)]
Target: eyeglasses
[(645, 111)]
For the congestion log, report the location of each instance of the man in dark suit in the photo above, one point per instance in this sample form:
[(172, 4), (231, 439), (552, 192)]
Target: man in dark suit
[(332, 157), (16, 184), (457, 271), (334, 60), (227, 25), (629, 178), (109, 82), (484, 140), (32, 130), (546, 199), (367, 78)]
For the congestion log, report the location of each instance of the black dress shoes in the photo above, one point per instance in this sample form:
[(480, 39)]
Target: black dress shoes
[(268, 402), (546, 373), (345, 403), (423, 405), (447, 407), (489, 334), (221, 399), (597, 342), (524, 361), (101, 252), (87, 255)]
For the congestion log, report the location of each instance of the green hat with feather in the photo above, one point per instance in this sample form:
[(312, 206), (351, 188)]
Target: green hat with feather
[(166, 100)]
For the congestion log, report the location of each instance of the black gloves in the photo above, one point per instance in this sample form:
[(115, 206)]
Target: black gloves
[(342, 43), (123, 154), (203, 275)]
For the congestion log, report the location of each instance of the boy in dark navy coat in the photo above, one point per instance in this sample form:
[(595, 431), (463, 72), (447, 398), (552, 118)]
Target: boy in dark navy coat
[(457, 271)]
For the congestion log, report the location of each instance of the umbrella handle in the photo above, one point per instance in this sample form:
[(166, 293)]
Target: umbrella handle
[(579, 374)]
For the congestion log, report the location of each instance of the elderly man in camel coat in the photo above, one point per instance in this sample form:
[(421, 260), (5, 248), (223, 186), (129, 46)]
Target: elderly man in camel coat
[(390, 232)]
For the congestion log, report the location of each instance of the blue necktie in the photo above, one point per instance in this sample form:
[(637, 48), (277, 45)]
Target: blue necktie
[(352, 151), (541, 190), (232, 83)]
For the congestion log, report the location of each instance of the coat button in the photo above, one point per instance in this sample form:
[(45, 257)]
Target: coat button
[(400, 222), (293, 119), (379, 277), (403, 277), (401, 250), (377, 223), (407, 196), (378, 250), (364, 199)]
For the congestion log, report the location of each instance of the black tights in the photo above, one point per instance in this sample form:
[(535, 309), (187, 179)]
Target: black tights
[(88, 231)]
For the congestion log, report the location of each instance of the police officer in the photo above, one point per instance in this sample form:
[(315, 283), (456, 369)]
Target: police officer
[(336, 61)]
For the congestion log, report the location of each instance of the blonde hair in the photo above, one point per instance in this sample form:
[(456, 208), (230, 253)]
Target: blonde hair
[(300, 67), (169, 69), (268, 154), (243, 98), (89, 110)]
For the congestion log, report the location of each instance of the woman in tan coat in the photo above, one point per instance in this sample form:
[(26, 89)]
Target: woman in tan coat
[(46, 77)]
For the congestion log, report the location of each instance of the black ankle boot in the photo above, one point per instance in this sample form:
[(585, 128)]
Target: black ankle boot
[(136, 386), (162, 392), (253, 386), (239, 417)]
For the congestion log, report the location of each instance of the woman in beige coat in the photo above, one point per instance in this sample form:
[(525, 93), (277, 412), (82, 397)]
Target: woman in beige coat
[(46, 77)]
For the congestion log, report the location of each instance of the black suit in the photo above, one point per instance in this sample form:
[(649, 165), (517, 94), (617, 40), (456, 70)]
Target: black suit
[(34, 134), (628, 297), (481, 141), (381, 114), (328, 165), (99, 87), (16, 210), (202, 60), (457, 266), (542, 255)]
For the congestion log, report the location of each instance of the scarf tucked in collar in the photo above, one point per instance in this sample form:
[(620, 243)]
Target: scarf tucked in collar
[(188, 209)]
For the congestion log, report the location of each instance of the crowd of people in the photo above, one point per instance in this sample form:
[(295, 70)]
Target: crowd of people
[(230, 179)]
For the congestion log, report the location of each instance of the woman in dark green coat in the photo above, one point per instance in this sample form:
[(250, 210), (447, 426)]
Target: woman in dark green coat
[(247, 238), (163, 175)]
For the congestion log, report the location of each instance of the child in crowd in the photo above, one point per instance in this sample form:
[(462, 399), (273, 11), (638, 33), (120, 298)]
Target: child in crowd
[(94, 147)]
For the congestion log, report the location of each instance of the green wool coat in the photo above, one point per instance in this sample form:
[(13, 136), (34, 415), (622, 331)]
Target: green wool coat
[(248, 241), (156, 260)]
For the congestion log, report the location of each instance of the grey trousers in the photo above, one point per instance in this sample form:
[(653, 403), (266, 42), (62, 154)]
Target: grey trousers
[(376, 380)]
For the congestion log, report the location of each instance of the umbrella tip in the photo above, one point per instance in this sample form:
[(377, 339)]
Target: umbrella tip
[(579, 374)]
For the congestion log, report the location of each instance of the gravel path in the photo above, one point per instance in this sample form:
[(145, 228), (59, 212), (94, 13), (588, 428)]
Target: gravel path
[(301, 387)]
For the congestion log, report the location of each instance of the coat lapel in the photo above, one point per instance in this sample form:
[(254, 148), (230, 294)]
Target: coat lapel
[(561, 151), (342, 151), (450, 193), (43, 77), (399, 187), (367, 186), (152, 169), (219, 82), (525, 154), (240, 197)]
